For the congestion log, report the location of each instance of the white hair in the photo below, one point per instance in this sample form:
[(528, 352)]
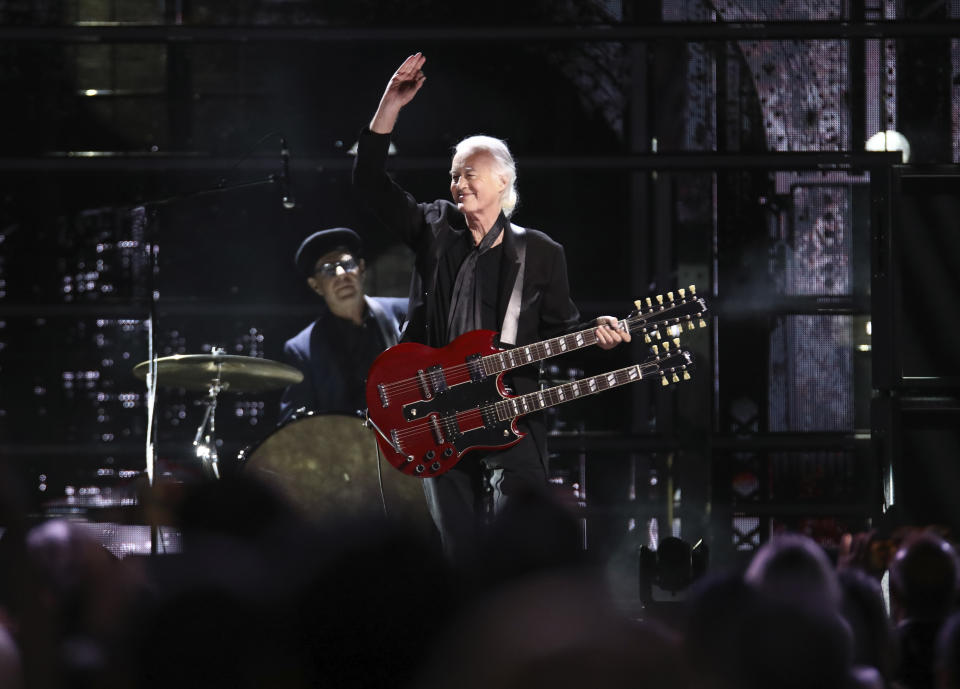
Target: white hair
[(503, 160)]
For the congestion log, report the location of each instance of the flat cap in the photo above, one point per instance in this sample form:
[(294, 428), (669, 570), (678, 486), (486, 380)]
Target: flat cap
[(323, 242)]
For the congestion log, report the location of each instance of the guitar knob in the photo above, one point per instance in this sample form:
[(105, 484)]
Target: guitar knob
[(447, 451), (419, 469), (430, 455), (435, 466)]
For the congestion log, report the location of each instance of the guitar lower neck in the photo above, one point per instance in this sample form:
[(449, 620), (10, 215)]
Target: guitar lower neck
[(535, 401)]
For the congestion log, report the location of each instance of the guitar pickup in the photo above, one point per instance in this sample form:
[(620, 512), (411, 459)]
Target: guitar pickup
[(475, 366), (432, 382), (438, 381), (451, 431)]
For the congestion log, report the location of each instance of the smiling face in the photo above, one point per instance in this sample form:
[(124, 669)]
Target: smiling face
[(338, 278), (477, 185)]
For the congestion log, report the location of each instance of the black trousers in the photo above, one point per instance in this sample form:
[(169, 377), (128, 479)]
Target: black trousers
[(465, 499)]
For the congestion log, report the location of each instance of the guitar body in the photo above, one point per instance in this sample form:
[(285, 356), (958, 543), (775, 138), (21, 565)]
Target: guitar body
[(433, 404)]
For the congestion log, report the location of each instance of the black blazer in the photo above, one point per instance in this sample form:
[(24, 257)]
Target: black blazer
[(430, 229), (324, 388)]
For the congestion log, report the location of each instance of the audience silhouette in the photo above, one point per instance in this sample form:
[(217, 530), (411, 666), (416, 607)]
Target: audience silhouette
[(260, 597)]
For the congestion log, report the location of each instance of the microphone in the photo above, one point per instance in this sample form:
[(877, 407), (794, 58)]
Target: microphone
[(287, 199)]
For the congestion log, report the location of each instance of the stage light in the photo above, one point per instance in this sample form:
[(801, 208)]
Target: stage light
[(667, 572), (890, 140)]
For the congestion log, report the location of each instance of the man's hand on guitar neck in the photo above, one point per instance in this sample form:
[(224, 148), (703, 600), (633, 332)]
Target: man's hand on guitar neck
[(610, 333)]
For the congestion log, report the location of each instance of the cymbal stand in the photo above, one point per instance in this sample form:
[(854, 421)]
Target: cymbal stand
[(205, 441)]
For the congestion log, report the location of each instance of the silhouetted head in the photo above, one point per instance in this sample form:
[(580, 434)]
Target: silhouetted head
[(795, 568), (923, 578)]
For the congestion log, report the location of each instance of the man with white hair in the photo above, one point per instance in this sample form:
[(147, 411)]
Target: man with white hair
[(474, 269)]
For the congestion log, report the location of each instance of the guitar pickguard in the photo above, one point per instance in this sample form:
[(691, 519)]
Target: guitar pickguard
[(455, 398), (444, 406)]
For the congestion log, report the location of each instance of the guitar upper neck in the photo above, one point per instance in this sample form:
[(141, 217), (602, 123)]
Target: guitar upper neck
[(653, 317), (528, 354)]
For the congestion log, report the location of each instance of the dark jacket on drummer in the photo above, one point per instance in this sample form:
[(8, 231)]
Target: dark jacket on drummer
[(336, 350)]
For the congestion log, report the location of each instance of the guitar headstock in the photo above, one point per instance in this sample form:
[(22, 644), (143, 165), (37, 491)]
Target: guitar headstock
[(663, 317), (673, 365)]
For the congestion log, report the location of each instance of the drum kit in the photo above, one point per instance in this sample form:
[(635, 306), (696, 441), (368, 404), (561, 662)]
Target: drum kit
[(327, 465)]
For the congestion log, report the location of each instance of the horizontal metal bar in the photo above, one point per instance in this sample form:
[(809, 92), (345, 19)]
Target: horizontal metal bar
[(11, 451), (590, 441), (594, 441), (111, 161), (678, 31), (135, 309), (861, 509), (777, 305)]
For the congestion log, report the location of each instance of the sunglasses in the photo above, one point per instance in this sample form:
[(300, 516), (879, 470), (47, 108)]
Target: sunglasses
[(329, 270)]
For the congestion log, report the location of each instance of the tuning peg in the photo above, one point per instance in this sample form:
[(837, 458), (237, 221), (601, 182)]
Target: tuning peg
[(675, 378), (637, 303), (686, 375), (655, 349), (669, 296), (646, 338), (660, 299), (676, 342), (664, 381), (666, 346), (657, 333), (649, 303), (693, 290), (691, 326), (682, 292), (703, 323)]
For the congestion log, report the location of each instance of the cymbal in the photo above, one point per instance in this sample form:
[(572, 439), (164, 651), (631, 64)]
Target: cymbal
[(236, 373)]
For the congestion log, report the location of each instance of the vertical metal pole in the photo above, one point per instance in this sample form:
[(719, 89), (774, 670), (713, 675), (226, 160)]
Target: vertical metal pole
[(637, 132)]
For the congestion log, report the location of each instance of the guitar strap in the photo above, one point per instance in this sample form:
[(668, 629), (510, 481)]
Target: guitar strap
[(511, 319)]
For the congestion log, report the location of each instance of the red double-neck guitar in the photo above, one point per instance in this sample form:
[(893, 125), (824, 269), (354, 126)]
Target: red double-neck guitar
[(431, 406)]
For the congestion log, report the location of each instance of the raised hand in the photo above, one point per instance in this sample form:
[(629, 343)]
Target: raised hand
[(401, 89)]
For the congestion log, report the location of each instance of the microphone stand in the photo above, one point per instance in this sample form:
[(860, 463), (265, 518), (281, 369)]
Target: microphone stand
[(153, 269)]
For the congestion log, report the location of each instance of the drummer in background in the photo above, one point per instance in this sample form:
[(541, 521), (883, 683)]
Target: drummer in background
[(336, 350)]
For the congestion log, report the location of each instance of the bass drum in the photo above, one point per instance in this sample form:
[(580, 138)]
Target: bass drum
[(326, 465)]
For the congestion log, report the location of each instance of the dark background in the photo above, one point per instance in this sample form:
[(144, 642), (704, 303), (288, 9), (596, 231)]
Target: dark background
[(658, 158)]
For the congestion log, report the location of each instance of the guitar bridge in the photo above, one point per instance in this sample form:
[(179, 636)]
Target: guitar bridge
[(395, 437), (435, 429), (382, 392), (426, 392)]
